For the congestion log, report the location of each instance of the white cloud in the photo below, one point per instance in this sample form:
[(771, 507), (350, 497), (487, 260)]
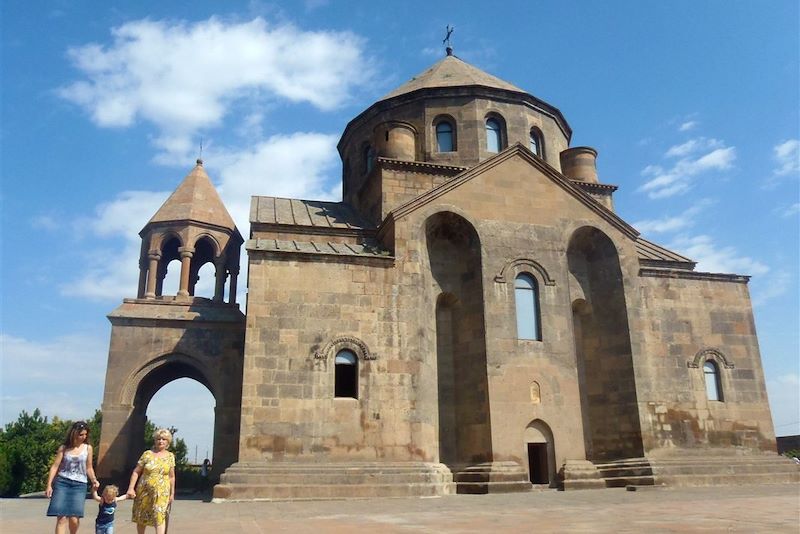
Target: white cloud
[(784, 400), (45, 222), (686, 126), (776, 285), (712, 258), (182, 77), (672, 223), (111, 271), (297, 166), (787, 155), (677, 179), (33, 374), (692, 146), (789, 211)]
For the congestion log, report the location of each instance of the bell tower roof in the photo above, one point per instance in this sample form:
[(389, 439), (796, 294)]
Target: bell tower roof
[(195, 199), (452, 72)]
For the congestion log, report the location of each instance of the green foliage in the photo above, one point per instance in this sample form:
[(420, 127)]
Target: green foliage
[(794, 453), (27, 448)]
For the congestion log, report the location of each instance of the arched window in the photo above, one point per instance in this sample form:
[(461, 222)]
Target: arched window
[(713, 384), (526, 296), (536, 142), (369, 159), (493, 135), (444, 137), (346, 374)]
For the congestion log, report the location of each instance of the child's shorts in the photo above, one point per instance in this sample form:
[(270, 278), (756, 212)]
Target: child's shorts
[(108, 528)]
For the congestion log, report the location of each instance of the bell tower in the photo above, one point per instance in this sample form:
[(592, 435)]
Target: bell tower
[(157, 337)]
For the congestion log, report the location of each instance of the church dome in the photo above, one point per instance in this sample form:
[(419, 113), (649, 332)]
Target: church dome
[(451, 114), (451, 72)]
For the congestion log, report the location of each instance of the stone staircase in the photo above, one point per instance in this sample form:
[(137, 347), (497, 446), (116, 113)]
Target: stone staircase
[(627, 472), (725, 470), (694, 468), (491, 477), (280, 481)]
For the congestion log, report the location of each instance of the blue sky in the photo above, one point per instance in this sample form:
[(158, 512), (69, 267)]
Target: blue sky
[(692, 106)]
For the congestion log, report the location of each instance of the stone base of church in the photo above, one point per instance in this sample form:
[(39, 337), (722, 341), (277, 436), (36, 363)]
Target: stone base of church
[(580, 474), (491, 477), (284, 480), (722, 467)]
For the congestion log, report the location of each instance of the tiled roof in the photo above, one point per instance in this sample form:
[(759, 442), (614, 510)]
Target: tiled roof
[(650, 251), (452, 72), (195, 199), (314, 213), (318, 247)]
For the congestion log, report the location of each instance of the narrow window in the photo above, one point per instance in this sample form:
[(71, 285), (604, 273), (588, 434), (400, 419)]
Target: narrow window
[(444, 137), (493, 141), (713, 385), (346, 374), (536, 142), (526, 295), (369, 159)]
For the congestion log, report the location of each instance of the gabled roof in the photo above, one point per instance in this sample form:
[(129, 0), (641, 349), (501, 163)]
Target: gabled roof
[(451, 72), (521, 151), (195, 199)]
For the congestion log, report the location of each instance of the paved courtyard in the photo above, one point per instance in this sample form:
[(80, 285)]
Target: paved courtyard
[(766, 508)]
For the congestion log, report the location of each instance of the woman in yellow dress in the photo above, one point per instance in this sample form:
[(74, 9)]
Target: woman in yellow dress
[(155, 490)]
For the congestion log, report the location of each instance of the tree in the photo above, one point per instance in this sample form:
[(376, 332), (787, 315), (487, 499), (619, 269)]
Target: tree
[(27, 448)]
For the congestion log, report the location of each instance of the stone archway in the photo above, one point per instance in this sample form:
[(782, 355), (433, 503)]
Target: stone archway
[(464, 420), (540, 452), (612, 428), (155, 343)]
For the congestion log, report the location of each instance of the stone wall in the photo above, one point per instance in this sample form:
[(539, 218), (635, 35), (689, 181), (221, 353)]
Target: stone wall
[(688, 318)]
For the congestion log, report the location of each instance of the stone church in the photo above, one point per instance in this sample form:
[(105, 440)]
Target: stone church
[(472, 317)]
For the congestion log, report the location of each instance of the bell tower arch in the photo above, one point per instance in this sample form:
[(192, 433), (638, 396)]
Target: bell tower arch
[(157, 337)]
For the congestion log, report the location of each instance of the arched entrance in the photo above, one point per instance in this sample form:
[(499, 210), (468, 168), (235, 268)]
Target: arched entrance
[(189, 406), (602, 343), (175, 368), (200, 340), (540, 452), (463, 396)]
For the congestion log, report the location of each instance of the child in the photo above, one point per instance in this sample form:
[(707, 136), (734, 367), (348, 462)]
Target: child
[(108, 505)]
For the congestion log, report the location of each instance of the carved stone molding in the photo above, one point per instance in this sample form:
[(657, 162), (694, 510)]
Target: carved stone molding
[(336, 344), (704, 354), (534, 265)]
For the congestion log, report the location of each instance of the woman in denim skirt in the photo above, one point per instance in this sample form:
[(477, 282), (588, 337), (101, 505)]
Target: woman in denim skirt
[(66, 482)]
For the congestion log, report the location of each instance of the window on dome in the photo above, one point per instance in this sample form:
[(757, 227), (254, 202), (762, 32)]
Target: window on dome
[(444, 137), (493, 135), (536, 142)]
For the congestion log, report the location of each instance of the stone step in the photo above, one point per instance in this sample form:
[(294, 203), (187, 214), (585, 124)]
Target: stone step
[(623, 481), (282, 492), (328, 477), (728, 479), (481, 488), (702, 469)]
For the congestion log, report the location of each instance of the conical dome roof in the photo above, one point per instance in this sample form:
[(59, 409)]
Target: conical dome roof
[(196, 200), (451, 72)]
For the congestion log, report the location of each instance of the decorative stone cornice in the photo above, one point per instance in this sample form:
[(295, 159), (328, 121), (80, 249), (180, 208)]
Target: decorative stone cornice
[(336, 344), (693, 275), (418, 166), (712, 353), (511, 266)]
